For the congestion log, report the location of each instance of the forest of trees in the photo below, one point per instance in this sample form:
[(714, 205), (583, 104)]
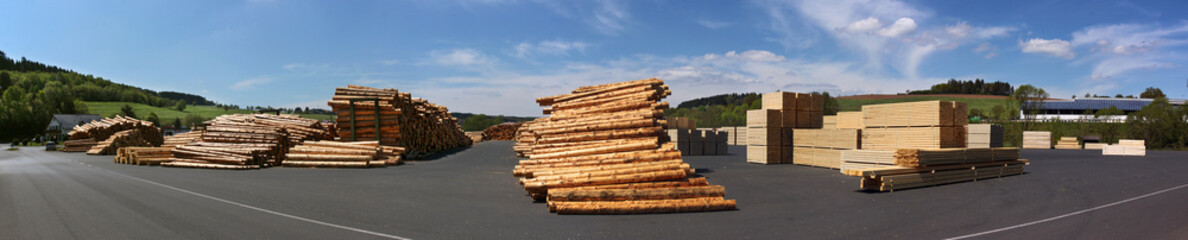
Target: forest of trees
[(976, 86), (730, 109)]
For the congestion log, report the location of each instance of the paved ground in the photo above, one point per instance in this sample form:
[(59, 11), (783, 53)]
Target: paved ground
[(471, 194)]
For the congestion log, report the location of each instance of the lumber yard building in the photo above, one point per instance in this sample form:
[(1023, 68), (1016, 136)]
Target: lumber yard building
[(1084, 109)]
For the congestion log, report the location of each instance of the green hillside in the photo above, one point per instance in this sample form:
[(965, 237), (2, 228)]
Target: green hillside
[(984, 104), (108, 109)]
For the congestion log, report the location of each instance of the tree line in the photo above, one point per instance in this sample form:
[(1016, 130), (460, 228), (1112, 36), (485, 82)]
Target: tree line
[(730, 109), (976, 86)]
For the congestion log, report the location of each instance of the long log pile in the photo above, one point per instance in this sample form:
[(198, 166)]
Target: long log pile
[(342, 154), (142, 136), (102, 129), (502, 131), (78, 145), (246, 141), (151, 156), (600, 152), (417, 125), (105, 136), (182, 139), (525, 139)]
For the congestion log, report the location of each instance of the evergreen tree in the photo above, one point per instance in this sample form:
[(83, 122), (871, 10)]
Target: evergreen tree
[(127, 111)]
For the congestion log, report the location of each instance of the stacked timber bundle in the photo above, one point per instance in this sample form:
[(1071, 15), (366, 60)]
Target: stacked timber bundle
[(245, 141), (769, 130), (927, 124), (1037, 140), (984, 135), (102, 129), (1068, 143), (502, 131), (601, 152), (342, 154), (1126, 147), (78, 145), (850, 120), (151, 156), (143, 136), (829, 122), (884, 170), (182, 139), (396, 119), (823, 147), (525, 139)]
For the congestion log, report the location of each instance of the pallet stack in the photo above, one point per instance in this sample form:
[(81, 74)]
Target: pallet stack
[(889, 170), (141, 136), (1126, 147), (927, 125), (769, 130), (696, 142), (984, 135), (601, 152), (823, 147), (78, 145), (1037, 140), (502, 131), (329, 154), (1068, 142), (151, 156), (413, 123)]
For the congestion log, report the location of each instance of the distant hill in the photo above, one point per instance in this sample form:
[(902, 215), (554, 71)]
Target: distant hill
[(723, 99)]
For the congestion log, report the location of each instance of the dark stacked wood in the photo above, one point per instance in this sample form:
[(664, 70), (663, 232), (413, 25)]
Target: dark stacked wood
[(417, 125), (601, 152), (912, 168), (102, 129), (144, 155), (502, 131), (141, 136), (341, 154), (895, 178), (78, 145)]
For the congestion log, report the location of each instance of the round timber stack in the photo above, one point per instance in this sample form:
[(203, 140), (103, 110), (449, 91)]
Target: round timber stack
[(420, 127)]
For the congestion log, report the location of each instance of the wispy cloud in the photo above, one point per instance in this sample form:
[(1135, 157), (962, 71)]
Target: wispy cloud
[(250, 83), (1122, 48), (713, 24), (986, 48), (1051, 47), (552, 48), (459, 57)]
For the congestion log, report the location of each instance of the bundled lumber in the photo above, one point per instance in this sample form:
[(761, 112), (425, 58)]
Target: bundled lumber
[(935, 157), (984, 135), (1068, 143), (823, 147), (144, 155), (856, 161), (78, 145), (897, 178), (1095, 146), (850, 120), (1125, 147), (182, 139), (829, 122), (100, 130), (913, 137), (245, 141), (603, 150), (143, 136), (502, 131), (396, 119), (323, 154), (1037, 140), (817, 157), (915, 114)]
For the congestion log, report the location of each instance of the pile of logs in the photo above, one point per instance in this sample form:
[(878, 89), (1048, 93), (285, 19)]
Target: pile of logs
[(78, 145), (342, 154), (246, 141), (143, 136), (525, 139), (182, 139), (395, 119), (151, 156), (502, 131), (100, 130), (600, 152)]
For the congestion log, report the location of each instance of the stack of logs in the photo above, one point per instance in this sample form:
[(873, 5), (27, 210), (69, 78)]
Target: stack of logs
[(151, 156), (106, 135), (502, 131), (143, 136), (525, 138), (600, 152), (78, 145), (413, 123), (102, 129), (246, 141), (342, 154)]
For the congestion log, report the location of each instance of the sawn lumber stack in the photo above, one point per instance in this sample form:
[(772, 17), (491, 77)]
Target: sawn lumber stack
[(502, 131), (417, 125), (600, 152)]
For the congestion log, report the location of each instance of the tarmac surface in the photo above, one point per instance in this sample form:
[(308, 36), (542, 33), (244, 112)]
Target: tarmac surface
[(471, 194)]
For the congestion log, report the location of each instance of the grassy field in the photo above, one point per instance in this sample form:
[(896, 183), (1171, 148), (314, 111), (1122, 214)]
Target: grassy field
[(846, 105), (107, 109)]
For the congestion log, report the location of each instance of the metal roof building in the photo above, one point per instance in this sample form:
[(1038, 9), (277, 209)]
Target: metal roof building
[(1082, 109)]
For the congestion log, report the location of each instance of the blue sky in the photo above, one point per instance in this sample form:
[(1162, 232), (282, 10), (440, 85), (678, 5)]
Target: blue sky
[(496, 56)]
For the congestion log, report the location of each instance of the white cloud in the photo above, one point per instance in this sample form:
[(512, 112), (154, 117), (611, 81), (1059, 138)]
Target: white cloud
[(459, 57), (554, 48), (610, 17), (1053, 47), (864, 26), (990, 50), (713, 24), (250, 83), (899, 28)]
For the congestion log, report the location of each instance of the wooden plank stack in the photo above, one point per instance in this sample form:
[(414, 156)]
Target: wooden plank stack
[(984, 135), (823, 147), (502, 131), (897, 178), (927, 124), (1037, 140), (1068, 142), (850, 120), (601, 152), (417, 125), (829, 122), (142, 136), (329, 154), (151, 156), (78, 145), (1126, 147), (769, 130), (884, 170)]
